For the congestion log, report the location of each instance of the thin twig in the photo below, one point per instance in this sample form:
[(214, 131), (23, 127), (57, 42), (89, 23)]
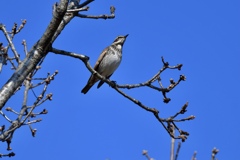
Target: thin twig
[(78, 9), (24, 105), (24, 21), (172, 145), (2, 27), (214, 152), (24, 43), (194, 156), (183, 135), (11, 154), (145, 153), (178, 150), (33, 121), (8, 119), (85, 3), (24, 114), (103, 16)]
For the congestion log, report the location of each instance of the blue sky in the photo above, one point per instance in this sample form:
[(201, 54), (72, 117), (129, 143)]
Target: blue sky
[(202, 35)]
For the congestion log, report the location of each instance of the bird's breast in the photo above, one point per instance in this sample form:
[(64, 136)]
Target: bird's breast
[(110, 62)]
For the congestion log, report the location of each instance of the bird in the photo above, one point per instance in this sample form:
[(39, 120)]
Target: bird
[(108, 61)]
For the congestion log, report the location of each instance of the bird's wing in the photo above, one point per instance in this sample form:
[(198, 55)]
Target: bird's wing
[(102, 55), (101, 82)]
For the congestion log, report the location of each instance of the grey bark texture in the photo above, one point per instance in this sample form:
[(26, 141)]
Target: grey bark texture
[(38, 51)]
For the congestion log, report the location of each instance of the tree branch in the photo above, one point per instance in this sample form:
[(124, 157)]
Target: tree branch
[(11, 154), (78, 9), (24, 43), (182, 134), (214, 152), (145, 153), (85, 3), (178, 150), (104, 16), (194, 156), (26, 112), (2, 27), (38, 51)]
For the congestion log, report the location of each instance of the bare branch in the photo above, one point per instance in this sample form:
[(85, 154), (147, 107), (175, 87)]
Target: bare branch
[(183, 135), (38, 51), (11, 154), (3, 56), (21, 26), (26, 70), (104, 16), (85, 3), (8, 119), (27, 111), (172, 145), (33, 131), (2, 27), (145, 153), (214, 153), (14, 30), (11, 110), (24, 105), (178, 150), (194, 156), (70, 54), (11, 61), (24, 43), (34, 121), (78, 9)]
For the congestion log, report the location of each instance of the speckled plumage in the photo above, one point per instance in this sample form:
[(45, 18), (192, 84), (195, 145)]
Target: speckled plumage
[(107, 63)]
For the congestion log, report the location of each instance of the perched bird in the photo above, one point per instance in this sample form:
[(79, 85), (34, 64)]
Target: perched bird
[(107, 63)]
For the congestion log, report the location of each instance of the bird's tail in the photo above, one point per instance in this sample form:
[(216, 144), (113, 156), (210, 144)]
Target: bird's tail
[(92, 80), (86, 88)]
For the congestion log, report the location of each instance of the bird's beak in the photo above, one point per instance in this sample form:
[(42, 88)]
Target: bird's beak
[(126, 36)]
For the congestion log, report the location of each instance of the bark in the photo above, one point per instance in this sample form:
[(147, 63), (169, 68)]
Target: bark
[(38, 51)]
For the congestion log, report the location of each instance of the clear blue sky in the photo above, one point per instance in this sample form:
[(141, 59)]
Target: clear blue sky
[(203, 35)]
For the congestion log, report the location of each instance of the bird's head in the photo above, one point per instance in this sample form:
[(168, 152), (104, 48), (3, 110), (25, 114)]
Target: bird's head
[(120, 40)]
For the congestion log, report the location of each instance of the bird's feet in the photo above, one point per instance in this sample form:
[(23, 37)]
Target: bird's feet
[(113, 84)]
